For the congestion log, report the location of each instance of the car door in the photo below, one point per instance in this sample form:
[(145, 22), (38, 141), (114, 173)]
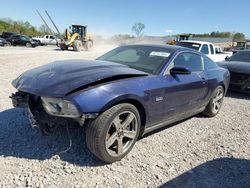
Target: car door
[(15, 40), (185, 93), (23, 40), (52, 40)]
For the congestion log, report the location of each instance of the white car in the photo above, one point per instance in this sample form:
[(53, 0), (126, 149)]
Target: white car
[(47, 40), (207, 48)]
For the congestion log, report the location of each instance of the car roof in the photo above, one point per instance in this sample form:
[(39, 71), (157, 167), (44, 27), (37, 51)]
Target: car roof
[(195, 41), (243, 51)]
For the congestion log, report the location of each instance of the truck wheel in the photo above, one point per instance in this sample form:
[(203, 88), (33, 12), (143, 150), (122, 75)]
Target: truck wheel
[(8, 44), (63, 46), (215, 103), (28, 45), (88, 45), (112, 135), (77, 45)]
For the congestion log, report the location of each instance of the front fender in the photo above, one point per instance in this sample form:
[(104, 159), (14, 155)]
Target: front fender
[(101, 98)]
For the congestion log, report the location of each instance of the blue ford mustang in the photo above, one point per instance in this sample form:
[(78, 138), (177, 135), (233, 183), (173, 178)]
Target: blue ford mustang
[(123, 94)]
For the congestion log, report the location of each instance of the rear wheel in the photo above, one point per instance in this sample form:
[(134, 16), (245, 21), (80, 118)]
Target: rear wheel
[(88, 45), (113, 134), (215, 102)]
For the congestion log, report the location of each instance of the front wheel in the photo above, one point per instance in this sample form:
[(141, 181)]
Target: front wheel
[(113, 134), (28, 45), (215, 103), (63, 46)]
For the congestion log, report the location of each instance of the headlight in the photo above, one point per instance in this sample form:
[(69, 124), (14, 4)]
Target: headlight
[(1, 40), (60, 107)]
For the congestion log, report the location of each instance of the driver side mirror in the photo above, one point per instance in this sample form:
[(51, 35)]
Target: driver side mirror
[(179, 70), (227, 58)]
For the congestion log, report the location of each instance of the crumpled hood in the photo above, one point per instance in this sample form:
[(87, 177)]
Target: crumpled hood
[(236, 66), (59, 78)]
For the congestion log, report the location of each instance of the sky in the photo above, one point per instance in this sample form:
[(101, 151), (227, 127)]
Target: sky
[(161, 17)]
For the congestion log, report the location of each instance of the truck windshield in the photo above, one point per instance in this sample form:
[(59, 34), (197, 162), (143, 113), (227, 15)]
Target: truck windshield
[(192, 45)]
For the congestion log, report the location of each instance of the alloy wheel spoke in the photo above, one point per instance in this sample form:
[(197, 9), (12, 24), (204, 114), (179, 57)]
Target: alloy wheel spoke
[(220, 96), (117, 122), (111, 139), (128, 120), (119, 146), (129, 134), (217, 105)]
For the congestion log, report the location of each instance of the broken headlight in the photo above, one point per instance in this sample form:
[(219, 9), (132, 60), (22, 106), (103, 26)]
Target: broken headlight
[(60, 107)]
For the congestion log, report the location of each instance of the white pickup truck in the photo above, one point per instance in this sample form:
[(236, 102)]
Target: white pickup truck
[(47, 40), (214, 53)]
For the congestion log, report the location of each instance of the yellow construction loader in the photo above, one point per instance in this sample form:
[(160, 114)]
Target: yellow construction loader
[(179, 38), (77, 38)]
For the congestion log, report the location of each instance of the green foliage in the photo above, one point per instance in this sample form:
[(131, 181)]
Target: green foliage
[(24, 28), (215, 34), (138, 28), (239, 37)]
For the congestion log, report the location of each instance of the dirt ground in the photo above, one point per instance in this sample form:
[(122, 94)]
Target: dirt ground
[(198, 152)]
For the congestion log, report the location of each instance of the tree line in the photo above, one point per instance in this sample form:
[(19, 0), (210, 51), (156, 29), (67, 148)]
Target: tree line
[(217, 34), (24, 28)]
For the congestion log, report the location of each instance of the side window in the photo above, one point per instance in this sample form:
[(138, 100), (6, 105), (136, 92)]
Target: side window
[(189, 60), (209, 64), (51, 37), (211, 49), (204, 49), (46, 36), (23, 38)]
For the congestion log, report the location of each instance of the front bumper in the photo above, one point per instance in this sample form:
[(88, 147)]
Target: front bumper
[(39, 118), (240, 82)]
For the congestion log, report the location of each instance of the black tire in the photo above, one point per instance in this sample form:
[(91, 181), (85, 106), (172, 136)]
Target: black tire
[(88, 45), (98, 132), (28, 45), (77, 46), (63, 46), (8, 44), (210, 110)]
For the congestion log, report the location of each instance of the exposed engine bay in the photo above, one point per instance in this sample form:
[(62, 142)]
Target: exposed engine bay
[(38, 116)]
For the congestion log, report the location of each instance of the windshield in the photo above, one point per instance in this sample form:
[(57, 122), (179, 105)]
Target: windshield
[(144, 58), (243, 56), (192, 45)]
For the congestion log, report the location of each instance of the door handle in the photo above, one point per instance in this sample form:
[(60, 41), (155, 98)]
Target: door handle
[(204, 81)]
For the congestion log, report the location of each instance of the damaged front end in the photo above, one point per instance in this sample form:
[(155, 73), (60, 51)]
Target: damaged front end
[(48, 113)]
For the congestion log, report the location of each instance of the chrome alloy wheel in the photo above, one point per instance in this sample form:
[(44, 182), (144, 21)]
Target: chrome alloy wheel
[(121, 133), (217, 100)]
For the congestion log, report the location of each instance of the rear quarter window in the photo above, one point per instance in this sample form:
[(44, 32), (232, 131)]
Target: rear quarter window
[(209, 64)]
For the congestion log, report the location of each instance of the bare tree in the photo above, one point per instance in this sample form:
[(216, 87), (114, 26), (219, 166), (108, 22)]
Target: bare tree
[(138, 28)]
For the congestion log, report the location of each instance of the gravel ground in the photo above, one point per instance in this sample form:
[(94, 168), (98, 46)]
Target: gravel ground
[(198, 152)]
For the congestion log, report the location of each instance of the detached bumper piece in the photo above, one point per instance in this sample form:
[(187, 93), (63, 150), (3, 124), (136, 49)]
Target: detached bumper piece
[(20, 99)]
